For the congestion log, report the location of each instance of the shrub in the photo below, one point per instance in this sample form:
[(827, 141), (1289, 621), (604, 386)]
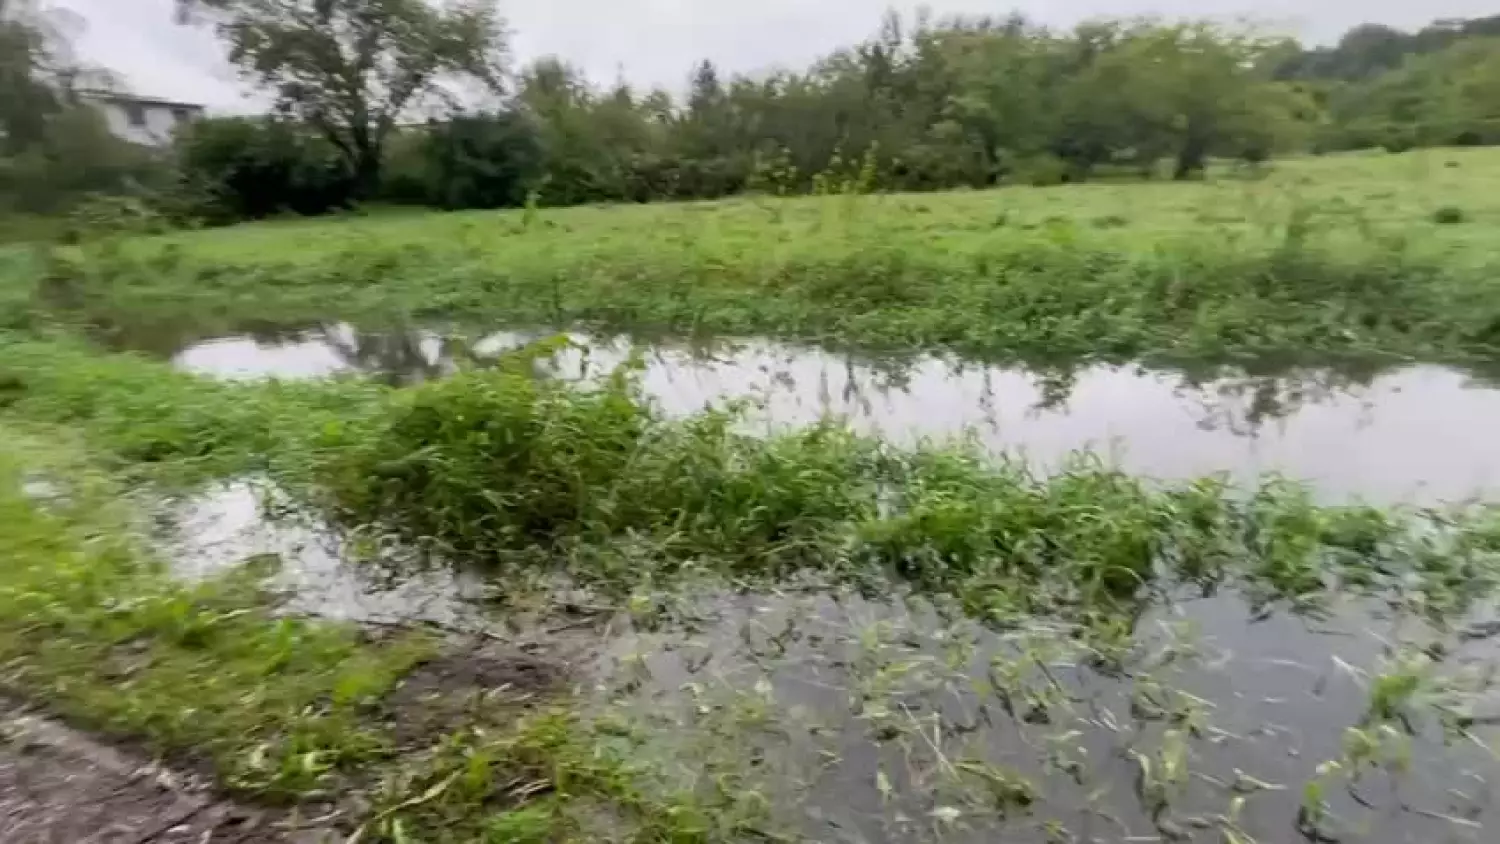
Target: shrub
[(1042, 170), (1449, 215), (481, 161), (101, 215), (248, 168)]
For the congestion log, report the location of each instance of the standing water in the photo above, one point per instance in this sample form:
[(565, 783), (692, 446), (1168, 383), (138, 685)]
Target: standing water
[(1209, 719), (1410, 434)]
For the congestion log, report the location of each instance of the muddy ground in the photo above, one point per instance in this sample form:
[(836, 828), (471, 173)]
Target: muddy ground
[(61, 786), (58, 786)]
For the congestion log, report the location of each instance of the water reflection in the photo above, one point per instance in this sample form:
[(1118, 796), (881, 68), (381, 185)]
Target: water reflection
[(1417, 433), (319, 571)]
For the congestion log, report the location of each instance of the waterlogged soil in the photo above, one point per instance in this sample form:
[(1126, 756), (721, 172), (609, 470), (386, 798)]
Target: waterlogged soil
[(1412, 434), (875, 722), (1208, 718), (888, 720)]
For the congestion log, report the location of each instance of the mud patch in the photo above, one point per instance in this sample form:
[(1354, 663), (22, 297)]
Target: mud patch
[(59, 785), (473, 681)]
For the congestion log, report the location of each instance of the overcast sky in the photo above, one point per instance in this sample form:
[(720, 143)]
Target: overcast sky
[(656, 41)]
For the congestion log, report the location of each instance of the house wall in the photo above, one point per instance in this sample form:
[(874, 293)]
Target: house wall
[(144, 123)]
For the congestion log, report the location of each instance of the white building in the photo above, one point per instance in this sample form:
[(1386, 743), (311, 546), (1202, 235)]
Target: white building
[(142, 120)]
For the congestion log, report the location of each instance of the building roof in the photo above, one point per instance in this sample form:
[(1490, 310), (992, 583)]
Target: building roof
[(125, 97)]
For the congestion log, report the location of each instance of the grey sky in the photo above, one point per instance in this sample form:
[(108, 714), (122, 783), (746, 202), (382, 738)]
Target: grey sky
[(656, 41)]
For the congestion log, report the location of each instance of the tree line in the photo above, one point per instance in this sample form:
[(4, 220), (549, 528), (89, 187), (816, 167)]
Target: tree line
[(924, 103)]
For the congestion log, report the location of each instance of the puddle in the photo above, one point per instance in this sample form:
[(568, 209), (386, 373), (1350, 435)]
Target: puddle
[(318, 571), (1414, 434)]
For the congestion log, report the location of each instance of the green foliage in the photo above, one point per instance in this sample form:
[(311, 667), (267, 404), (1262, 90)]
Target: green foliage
[(1434, 99), (481, 161), (104, 216), (28, 98), (349, 69), (239, 168), (950, 103), (1368, 50), (937, 104), (75, 157), (55, 150)]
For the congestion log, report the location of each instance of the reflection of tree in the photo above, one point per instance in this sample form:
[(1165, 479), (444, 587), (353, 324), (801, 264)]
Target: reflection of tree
[(1240, 400), (398, 357), (403, 356), (1243, 401)]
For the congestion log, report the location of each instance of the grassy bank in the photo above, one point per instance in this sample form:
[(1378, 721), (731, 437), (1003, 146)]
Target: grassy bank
[(1350, 255)]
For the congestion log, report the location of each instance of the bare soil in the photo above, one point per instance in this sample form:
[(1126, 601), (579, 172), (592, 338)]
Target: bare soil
[(58, 786), (61, 786), (472, 681)]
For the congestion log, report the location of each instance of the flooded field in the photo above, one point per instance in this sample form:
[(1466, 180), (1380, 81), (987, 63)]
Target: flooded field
[(1209, 721), (1208, 716), (1205, 716), (1414, 434)]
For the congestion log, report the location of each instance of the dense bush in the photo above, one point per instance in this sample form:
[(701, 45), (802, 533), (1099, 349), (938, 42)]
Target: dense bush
[(481, 161), (247, 168)]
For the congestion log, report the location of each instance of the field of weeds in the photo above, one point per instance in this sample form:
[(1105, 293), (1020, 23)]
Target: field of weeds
[(1352, 255), (681, 627)]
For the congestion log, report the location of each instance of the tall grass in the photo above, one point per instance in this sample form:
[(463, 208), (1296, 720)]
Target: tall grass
[(504, 468), (1296, 267)]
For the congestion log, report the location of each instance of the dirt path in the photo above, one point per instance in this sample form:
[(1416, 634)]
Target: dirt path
[(58, 786)]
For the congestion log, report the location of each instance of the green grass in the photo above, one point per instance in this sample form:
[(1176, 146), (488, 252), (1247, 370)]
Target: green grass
[(93, 628), (1340, 255), (282, 711), (530, 479)]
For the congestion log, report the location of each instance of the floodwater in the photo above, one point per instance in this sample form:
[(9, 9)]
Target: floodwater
[(886, 723), (1415, 434), (320, 571), (889, 721)]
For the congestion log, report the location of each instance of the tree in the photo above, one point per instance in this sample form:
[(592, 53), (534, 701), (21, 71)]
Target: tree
[(352, 69), (53, 150), (28, 61), (482, 160)]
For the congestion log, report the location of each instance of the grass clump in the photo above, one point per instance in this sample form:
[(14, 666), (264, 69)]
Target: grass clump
[(1449, 215), (501, 467)]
